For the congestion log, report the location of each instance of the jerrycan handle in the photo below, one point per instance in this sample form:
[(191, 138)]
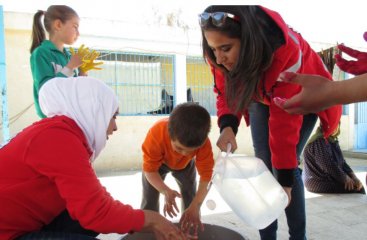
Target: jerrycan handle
[(229, 148), (228, 151), (225, 159)]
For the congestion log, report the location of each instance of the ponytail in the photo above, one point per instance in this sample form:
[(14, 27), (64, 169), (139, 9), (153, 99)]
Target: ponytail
[(54, 12), (38, 32)]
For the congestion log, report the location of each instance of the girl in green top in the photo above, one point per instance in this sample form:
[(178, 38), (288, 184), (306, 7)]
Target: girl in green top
[(49, 58)]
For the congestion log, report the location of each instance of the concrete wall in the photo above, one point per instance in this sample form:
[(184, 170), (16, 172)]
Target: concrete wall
[(19, 77), (123, 150)]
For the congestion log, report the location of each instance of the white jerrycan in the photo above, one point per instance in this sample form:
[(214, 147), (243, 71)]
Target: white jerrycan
[(249, 189)]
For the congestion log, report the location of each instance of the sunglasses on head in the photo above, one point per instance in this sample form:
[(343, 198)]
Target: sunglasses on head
[(218, 18)]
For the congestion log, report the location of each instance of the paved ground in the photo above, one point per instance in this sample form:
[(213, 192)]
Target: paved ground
[(329, 216)]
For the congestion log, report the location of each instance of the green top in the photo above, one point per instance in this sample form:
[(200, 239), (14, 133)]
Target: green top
[(318, 134), (48, 62)]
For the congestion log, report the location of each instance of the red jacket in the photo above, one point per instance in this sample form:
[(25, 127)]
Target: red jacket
[(44, 170), (294, 56)]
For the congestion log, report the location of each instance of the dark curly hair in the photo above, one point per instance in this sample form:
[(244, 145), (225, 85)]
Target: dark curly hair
[(190, 124)]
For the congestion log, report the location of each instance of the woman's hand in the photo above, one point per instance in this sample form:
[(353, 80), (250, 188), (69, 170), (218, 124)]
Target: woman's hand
[(227, 136), (348, 184), (316, 94), (357, 185), (161, 227)]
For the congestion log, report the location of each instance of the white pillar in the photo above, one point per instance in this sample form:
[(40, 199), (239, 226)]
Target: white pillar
[(180, 79)]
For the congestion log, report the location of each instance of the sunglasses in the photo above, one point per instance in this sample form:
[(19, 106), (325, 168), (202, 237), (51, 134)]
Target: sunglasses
[(218, 18)]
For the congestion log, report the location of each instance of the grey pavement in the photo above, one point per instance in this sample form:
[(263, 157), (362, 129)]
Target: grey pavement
[(329, 216)]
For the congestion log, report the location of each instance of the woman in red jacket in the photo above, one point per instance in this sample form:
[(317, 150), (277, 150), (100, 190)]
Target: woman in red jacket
[(48, 188), (247, 48)]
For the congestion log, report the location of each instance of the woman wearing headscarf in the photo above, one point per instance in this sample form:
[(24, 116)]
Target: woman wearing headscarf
[(48, 188)]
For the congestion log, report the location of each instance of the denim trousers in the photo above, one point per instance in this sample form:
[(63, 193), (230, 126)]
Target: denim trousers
[(63, 227), (186, 180), (295, 212)]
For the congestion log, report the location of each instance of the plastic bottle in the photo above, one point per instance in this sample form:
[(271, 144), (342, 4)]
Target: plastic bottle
[(249, 189)]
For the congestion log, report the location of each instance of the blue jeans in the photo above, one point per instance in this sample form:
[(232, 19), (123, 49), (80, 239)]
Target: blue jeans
[(63, 227), (295, 212)]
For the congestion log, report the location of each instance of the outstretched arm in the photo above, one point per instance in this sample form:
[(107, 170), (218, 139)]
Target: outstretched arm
[(319, 93), (170, 206), (190, 221)]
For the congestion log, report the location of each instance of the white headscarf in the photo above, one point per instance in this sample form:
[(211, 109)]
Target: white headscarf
[(86, 100)]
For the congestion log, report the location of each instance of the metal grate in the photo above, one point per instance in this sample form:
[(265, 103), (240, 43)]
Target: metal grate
[(145, 85), (200, 81), (138, 80)]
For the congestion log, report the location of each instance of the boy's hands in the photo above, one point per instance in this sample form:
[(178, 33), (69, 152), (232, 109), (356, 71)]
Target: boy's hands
[(190, 221), (356, 67), (170, 205)]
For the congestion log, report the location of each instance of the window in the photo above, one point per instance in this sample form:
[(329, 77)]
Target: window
[(138, 80), (144, 83), (200, 81)]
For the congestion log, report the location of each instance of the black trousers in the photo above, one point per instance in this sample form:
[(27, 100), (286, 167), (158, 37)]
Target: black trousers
[(63, 227)]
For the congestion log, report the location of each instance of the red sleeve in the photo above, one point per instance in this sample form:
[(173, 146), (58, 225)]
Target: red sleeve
[(329, 118), (283, 127), (284, 130), (68, 166)]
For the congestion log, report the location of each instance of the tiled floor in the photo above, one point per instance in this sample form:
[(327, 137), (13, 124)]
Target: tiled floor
[(329, 216)]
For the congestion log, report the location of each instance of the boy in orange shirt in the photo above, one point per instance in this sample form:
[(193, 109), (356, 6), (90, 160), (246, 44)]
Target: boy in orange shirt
[(180, 145)]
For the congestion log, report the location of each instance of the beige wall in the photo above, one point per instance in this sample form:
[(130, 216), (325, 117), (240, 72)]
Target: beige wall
[(19, 79), (123, 150)]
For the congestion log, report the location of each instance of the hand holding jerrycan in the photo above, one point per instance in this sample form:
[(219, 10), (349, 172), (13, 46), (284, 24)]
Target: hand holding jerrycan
[(249, 188)]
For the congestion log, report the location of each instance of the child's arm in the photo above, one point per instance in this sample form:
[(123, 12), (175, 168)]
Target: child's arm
[(170, 206), (155, 179), (74, 62), (191, 217)]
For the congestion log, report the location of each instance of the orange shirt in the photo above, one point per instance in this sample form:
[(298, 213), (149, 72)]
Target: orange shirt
[(157, 150)]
